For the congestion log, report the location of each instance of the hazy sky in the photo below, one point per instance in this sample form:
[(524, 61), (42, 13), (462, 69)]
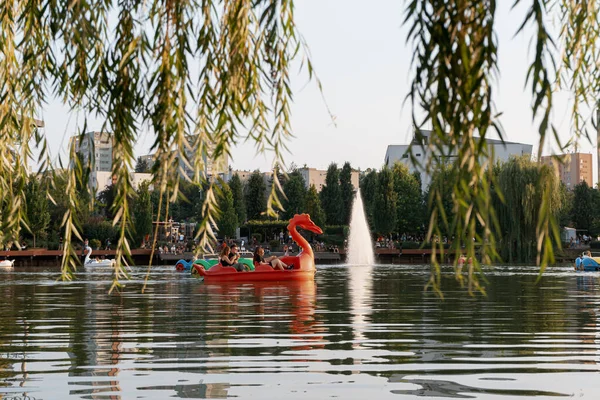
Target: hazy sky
[(362, 58)]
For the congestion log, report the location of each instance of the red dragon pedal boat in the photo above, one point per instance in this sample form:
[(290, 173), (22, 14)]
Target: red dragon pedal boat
[(304, 262)]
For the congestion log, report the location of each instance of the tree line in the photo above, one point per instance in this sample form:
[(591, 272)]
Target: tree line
[(394, 204), (238, 203)]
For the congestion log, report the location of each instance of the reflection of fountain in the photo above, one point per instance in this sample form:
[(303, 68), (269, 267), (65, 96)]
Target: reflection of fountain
[(360, 245), (361, 292)]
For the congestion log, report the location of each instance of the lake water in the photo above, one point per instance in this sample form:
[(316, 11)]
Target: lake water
[(354, 333)]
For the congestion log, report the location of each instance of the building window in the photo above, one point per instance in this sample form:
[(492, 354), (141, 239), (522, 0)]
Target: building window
[(405, 156)]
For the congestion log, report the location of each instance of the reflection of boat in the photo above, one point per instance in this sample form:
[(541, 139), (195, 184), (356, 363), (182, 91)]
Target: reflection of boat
[(88, 262), (303, 263), (7, 263), (585, 263), (297, 298)]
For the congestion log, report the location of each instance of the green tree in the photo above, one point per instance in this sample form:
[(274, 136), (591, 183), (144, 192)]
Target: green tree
[(255, 196), (347, 192), (106, 201), (239, 203), (526, 187), (368, 189), (385, 206), (295, 191), (439, 198), (142, 166), (583, 207), (227, 222), (313, 207), (142, 213), (331, 196), (37, 214), (566, 210), (410, 207)]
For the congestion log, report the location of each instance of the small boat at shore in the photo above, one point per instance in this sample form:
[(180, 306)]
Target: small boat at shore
[(94, 262), (7, 263), (587, 263), (303, 263)]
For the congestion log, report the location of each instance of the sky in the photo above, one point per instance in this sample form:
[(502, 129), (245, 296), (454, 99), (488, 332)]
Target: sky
[(363, 61)]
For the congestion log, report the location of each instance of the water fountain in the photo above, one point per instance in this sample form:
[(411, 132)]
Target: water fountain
[(360, 245), (360, 257)]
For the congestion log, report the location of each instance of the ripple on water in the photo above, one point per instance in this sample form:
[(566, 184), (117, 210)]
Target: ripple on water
[(354, 333)]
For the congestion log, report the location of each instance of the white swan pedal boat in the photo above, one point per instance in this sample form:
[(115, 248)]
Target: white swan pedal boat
[(94, 262), (7, 263)]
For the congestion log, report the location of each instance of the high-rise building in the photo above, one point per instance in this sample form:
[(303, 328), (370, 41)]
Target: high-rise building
[(422, 152), (98, 144), (572, 169)]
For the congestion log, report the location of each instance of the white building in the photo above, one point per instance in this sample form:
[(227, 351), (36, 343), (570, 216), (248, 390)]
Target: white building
[(400, 153), (99, 180), (98, 144)]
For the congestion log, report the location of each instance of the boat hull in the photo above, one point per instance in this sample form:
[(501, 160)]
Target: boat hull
[(95, 264), (587, 264), (184, 265), (262, 273)]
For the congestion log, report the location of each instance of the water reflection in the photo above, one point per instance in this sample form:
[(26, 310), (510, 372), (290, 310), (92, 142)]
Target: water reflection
[(354, 332)]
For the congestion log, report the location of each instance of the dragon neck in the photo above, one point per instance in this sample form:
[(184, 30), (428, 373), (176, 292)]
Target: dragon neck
[(299, 239)]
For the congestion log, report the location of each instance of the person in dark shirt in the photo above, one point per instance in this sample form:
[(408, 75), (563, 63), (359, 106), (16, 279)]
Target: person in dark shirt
[(273, 261), (224, 257)]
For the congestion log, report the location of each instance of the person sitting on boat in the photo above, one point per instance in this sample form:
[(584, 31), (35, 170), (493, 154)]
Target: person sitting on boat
[(587, 254), (273, 261), (234, 258), (286, 250), (224, 257)]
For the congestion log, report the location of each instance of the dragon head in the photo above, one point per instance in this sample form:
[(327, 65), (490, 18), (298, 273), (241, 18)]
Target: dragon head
[(303, 221)]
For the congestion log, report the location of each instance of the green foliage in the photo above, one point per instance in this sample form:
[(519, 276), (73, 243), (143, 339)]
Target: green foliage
[(529, 191), (295, 192), (336, 230), (385, 204), (258, 237), (274, 245), (331, 196), (95, 244), (227, 222), (347, 192), (106, 201), (313, 206), (566, 210), (410, 207), (142, 213), (582, 213), (37, 216), (188, 204), (99, 228), (368, 189), (142, 166), (239, 203), (440, 200), (255, 196)]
